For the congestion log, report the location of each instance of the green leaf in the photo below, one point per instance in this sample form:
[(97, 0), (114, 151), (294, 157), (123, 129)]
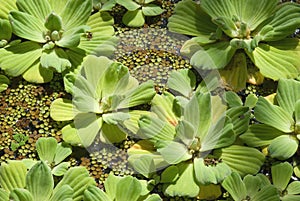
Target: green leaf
[(233, 99), (251, 101), (235, 186), (259, 135), (156, 129), (110, 185), (273, 115), (185, 132), (152, 10), (143, 165), (88, 126), (134, 18), (39, 181), (37, 74), (112, 133), (268, 193), (102, 41), (169, 175), (46, 148), (287, 94), (19, 194), (71, 37), (53, 22), (27, 26), (290, 198), (61, 169), (253, 184), (16, 59), (174, 152), (70, 135), (4, 81), (128, 188), (217, 8), (62, 110), (190, 19), (284, 22), (76, 13), (210, 174), (213, 56), (293, 188), (186, 178), (39, 9), (281, 175), (129, 4), (240, 117), (244, 160), (6, 32), (57, 6), (12, 175), (283, 147), (63, 150), (56, 59), (263, 10), (65, 193), (182, 81), (6, 7), (93, 193), (4, 195), (277, 59), (78, 179), (153, 197)]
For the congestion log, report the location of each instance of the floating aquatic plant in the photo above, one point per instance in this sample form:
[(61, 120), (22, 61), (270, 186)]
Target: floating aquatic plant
[(103, 95), (224, 32), (57, 37), (4, 82), (280, 122)]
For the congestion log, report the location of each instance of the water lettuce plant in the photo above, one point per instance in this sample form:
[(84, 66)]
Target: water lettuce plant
[(56, 37), (280, 122), (193, 143), (103, 94), (121, 188), (224, 32), (37, 183), (251, 187), (137, 10)]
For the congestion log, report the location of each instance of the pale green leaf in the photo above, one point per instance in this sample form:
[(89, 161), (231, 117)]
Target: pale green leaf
[(251, 101), (129, 4), (290, 198), (4, 81), (253, 184), (128, 188), (186, 178), (76, 13), (235, 186), (134, 18), (6, 30), (213, 56), (46, 149), (15, 60), (240, 117), (281, 175), (244, 160), (283, 147), (132, 123), (70, 135), (216, 8), (71, 37), (53, 22), (38, 74), (153, 197), (64, 193), (27, 26), (110, 185), (39, 181), (182, 81), (62, 110), (63, 150), (57, 6), (40, 9), (263, 10), (88, 126), (287, 94), (78, 179), (174, 152), (115, 118), (12, 175), (190, 19), (155, 129), (55, 59), (61, 169), (185, 132), (152, 10), (93, 193), (273, 115), (4, 195), (19, 194), (277, 59), (259, 135), (144, 164), (232, 99)]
